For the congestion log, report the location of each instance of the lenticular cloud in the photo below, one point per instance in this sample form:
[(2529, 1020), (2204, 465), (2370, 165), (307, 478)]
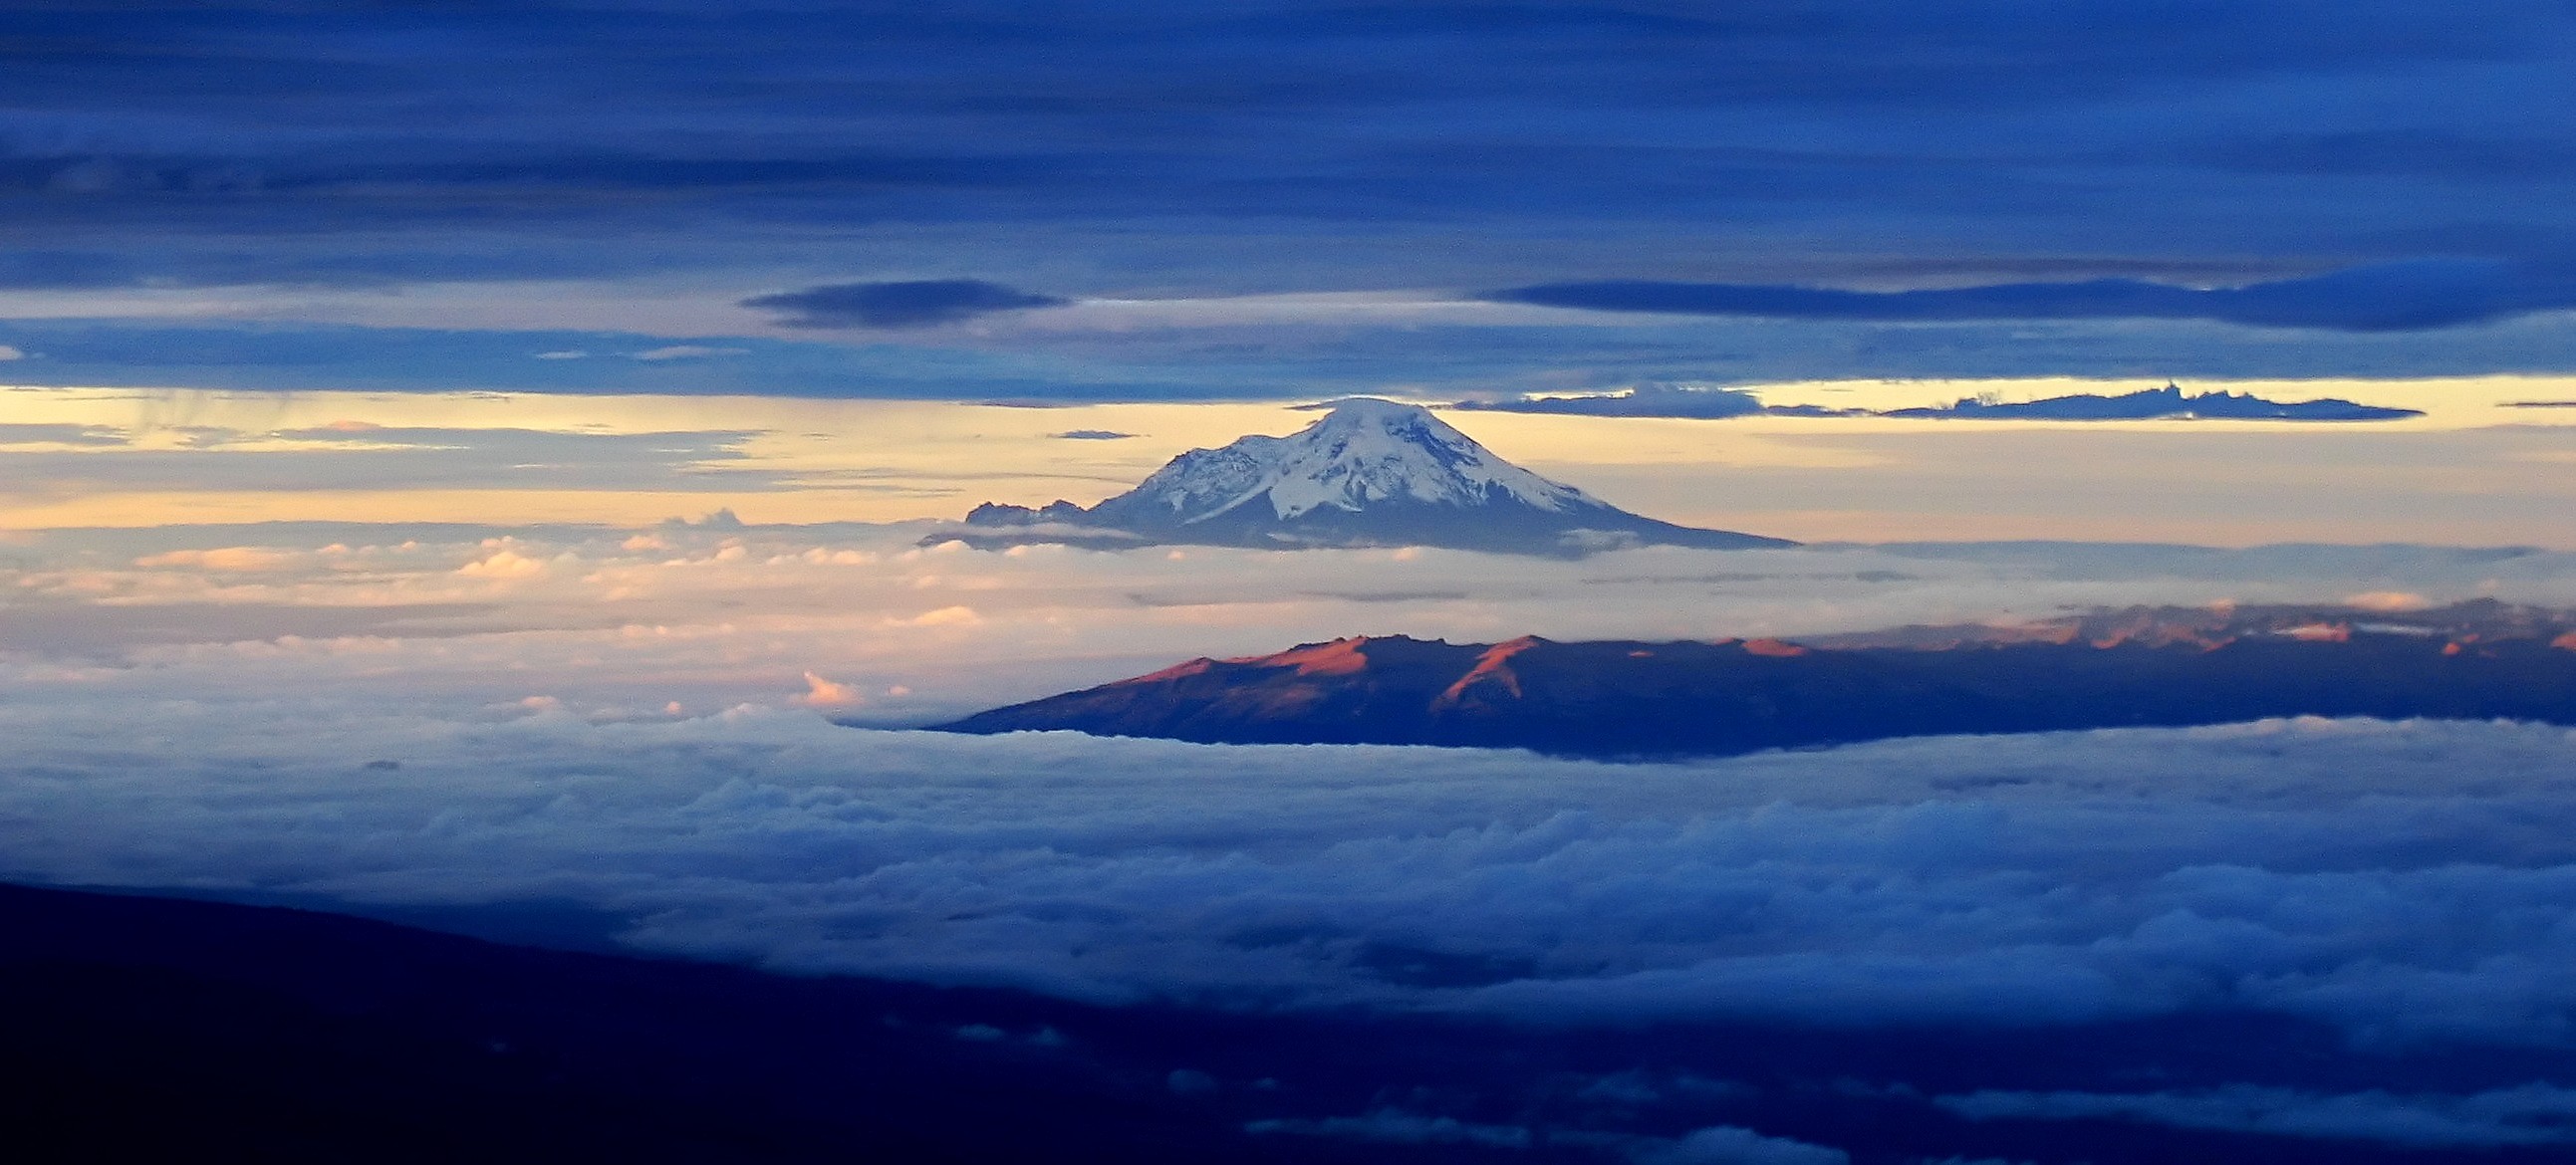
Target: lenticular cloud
[(2403, 882)]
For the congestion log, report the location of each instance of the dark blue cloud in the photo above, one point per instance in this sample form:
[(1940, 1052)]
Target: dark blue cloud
[(1446, 361), (1157, 148), (905, 304), (2393, 297), (248, 116), (2167, 403)]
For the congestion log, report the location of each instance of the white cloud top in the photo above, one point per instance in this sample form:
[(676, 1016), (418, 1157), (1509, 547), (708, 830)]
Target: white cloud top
[(2399, 881)]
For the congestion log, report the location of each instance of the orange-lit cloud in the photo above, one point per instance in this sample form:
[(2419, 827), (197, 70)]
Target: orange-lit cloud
[(503, 564), (823, 693), (227, 558)]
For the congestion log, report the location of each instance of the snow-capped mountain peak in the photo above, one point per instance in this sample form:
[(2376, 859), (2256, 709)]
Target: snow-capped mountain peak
[(1362, 453), (1367, 473)]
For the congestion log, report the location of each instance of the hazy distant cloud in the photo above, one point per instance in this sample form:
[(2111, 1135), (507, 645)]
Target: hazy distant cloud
[(353, 455), (222, 559), (1092, 435), (1052, 619), (8, 352), (906, 304), (563, 354), (1645, 400), (15, 433), (688, 352), (2388, 297)]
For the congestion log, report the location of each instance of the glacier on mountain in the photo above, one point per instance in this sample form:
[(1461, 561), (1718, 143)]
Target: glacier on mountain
[(1363, 452), (1368, 473)]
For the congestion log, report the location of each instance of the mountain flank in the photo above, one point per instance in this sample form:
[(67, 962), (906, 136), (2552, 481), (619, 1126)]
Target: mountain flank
[(1628, 699)]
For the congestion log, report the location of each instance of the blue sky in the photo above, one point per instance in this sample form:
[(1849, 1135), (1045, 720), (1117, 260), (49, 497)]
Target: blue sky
[(1147, 201)]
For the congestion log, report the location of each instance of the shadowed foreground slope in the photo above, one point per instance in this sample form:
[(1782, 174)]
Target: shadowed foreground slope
[(144, 1029)]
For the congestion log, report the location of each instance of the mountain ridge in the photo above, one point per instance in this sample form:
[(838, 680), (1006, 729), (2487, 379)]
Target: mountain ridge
[(2136, 667), (2169, 403)]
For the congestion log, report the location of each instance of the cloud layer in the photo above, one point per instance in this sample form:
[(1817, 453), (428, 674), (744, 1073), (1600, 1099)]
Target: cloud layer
[(2397, 297), (715, 613), (1645, 400), (643, 168), (2401, 883), (619, 737)]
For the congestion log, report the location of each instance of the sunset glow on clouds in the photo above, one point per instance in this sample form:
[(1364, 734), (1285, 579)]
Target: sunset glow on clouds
[(2474, 471), (710, 614), (472, 464)]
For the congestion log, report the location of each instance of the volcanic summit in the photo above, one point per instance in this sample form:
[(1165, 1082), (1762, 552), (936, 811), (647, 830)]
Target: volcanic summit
[(1368, 473)]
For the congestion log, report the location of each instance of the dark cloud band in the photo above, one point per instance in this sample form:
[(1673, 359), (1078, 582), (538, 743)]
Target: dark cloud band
[(2389, 297), (906, 304)]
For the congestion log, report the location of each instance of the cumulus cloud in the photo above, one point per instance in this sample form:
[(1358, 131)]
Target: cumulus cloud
[(823, 693), (915, 303), (504, 563)]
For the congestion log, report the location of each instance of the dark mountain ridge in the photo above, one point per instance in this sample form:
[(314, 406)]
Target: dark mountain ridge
[(2169, 403), (2134, 667)]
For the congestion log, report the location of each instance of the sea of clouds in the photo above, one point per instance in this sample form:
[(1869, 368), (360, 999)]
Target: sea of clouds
[(628, 738), (868, 624), (2403, 881)]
